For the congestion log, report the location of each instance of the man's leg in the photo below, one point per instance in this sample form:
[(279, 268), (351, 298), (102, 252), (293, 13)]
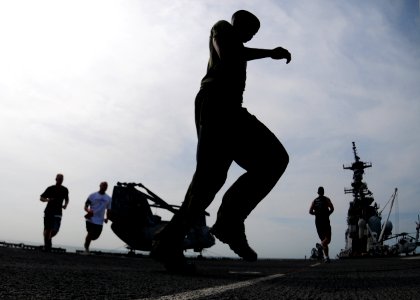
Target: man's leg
[(326, 241), (93, 233), (264, 158), (323, 229), (88, 238), (87, 242), (324, 244), (55, 228), (213, 163), (48, 231), (47, 240)]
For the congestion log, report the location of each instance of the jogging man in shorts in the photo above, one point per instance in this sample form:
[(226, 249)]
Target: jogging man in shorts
[(96, 205), (322, 208), (54, 195)]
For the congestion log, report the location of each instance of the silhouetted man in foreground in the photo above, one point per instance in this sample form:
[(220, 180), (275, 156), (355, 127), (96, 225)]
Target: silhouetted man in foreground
[(227, 132), (322, 208)]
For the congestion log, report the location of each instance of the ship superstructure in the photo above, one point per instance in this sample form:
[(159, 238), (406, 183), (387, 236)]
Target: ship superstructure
[(363, 218)]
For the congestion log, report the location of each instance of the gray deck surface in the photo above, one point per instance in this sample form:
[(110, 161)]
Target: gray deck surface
[(33, 274)]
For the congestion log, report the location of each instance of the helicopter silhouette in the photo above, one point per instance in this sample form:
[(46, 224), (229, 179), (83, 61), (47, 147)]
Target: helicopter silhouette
[(406, 243), (135, 224)]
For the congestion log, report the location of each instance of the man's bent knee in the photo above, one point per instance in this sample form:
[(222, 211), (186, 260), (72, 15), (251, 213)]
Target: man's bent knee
[(279, 164)]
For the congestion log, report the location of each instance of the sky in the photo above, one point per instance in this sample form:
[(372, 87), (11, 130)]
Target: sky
[(104, 91)]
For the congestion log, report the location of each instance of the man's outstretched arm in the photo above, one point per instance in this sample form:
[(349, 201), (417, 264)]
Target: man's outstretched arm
[(276, 53)]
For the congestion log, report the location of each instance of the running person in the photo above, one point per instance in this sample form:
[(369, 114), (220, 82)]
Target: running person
[(96, 205), (54, 195), (322, 208)]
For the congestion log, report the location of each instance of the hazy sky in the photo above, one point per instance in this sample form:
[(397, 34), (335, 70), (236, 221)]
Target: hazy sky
[(104, 90)]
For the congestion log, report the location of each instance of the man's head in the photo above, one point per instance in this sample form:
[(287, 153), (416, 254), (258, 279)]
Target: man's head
[(246, 24), (321, 191), (103, 187), (59, 179)]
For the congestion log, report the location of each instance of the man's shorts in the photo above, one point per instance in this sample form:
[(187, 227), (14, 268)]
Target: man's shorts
[(52, 222), (94, 230), (323, 228)]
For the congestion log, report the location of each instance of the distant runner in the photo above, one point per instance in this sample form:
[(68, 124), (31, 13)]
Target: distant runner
[(54, 195), (322, 208), (96, 205)]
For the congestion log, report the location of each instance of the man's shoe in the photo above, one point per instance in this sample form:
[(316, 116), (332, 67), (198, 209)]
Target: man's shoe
[(327, 260), (235, 237)]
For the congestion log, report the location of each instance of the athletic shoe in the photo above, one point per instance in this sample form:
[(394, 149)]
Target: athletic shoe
[(327, 260), (235, 237)]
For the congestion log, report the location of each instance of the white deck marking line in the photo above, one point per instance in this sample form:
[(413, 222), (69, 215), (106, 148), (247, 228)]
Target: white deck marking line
[(244, 272), (314, 265), (215, 290), (411, 257)]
